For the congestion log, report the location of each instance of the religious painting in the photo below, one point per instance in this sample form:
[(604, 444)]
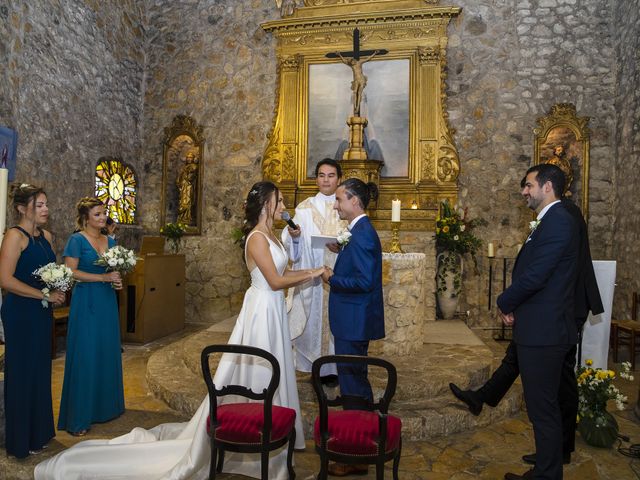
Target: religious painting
[(562, 139), (182, 173), (8, 150), (364, 83), (116, 186), (385, 105)]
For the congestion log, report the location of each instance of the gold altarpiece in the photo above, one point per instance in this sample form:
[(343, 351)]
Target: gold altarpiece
[(413, 30)]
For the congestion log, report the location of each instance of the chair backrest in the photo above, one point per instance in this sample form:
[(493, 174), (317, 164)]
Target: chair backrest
[(381, 405), (241, 390)]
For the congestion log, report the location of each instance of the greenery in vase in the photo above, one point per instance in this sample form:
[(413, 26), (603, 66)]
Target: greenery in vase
[(174, 232), (454, 231), (595, 389), (454, 234)]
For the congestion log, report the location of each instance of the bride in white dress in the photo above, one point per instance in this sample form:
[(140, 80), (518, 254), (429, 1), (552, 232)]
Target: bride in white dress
[(180, 451)]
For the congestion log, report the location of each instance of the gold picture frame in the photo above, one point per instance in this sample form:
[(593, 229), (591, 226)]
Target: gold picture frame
[(562, 138), (408, 30), (182, 174)]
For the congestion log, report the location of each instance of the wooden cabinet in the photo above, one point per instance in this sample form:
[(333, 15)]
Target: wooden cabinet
[(151, 302)]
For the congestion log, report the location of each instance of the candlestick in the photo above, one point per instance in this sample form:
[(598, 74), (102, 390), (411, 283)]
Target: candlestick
[(395, 237), (490, 252), (4, 176), (395, 210)]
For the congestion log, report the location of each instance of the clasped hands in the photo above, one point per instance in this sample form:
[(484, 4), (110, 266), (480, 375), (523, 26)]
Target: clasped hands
[(507, 318)]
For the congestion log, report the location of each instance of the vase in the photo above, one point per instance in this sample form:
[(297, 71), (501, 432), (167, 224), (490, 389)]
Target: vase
[(448, 283), (602, 432), (174, 245)]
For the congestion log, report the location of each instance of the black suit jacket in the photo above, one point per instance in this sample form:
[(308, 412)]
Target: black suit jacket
[(587, 293), (541, 295)]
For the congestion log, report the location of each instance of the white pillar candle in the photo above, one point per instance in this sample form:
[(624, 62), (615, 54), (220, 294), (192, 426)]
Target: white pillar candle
[(4, 177), (395, 210), (490, 252)]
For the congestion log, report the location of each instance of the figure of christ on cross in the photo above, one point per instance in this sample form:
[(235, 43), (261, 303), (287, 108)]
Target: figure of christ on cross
[(353, 60)]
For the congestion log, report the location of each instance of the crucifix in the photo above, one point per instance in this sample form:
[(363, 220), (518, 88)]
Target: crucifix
[(352, 59)]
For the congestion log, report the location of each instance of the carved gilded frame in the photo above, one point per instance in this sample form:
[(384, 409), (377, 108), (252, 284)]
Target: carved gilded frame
[(563, 126), (183, 137), (408, 29)]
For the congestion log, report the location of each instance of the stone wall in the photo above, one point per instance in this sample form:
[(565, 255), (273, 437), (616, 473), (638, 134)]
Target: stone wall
[(104, 78), (71, 86), (508, 63), (214, 63), (626, 21)]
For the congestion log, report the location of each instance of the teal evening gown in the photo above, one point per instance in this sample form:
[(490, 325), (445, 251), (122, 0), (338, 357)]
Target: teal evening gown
[(27, 362), (92, 390)]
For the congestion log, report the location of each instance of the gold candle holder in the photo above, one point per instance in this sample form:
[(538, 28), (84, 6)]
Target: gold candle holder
[(395, 238)]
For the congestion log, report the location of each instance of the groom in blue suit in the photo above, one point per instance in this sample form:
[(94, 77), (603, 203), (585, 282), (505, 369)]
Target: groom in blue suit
[(540, 306), (356, 310)]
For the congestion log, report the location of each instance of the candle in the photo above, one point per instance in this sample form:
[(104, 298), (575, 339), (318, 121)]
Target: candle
[(490, 252), (414, 205), (4, 176), (395, 210)]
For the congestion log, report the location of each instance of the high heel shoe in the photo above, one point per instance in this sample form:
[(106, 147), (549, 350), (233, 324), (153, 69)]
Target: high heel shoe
[(79, 433)]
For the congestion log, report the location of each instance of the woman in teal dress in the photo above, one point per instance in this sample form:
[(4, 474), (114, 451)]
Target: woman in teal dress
[(92, 390), (27, 325)]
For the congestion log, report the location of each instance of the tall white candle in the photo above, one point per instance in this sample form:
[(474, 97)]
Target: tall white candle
[(490, 252), (4, 182), (395, 210)]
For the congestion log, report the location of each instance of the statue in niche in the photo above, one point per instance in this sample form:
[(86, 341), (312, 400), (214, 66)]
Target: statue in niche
[(287, 7), (359, 79), (559, 159), (187, 183)]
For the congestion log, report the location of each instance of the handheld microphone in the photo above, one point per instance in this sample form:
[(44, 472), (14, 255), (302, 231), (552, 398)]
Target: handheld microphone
[(287, 218)]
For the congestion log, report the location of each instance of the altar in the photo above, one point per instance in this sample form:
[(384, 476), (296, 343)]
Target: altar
[(405, 307)]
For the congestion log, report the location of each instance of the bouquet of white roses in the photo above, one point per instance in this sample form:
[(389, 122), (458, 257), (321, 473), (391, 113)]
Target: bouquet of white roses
[(55, 277), (118, 259)]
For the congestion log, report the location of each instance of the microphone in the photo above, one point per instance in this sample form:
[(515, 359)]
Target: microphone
[(287, 218)]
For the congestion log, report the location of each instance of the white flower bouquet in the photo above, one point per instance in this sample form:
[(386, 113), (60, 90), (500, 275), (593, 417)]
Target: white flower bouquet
[(118, 259), (55, 277)]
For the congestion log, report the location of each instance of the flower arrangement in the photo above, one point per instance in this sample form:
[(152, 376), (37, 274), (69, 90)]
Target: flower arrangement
[(55, 277), (344, 237), (595, 389), (454, 232), (118, 259), (174, 232)]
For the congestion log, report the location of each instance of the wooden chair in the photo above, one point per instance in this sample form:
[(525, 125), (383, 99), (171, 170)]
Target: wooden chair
[(626, 333), (368, 435), (247, 427)]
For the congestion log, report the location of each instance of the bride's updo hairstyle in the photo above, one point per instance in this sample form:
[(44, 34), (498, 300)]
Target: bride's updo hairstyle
[(258, 197), (365, 192), (84, 206)]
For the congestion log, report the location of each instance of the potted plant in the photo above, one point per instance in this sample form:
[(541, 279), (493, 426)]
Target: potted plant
[(174, 232), (454, 238)]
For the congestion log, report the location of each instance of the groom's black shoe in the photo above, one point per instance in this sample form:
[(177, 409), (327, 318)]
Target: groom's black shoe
[(531, 458), (514, 476), (469, 397)]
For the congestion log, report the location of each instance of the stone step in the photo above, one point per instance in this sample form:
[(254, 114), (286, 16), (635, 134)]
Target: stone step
[(423, 399)]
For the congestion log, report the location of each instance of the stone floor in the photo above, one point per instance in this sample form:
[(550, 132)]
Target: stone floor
[(485, 452)]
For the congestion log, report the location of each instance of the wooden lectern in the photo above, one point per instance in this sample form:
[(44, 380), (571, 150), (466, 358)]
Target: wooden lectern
[(152, 298)]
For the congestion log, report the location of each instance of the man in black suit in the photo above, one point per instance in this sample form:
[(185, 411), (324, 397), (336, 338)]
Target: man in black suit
[(587, 298), (539, 305)]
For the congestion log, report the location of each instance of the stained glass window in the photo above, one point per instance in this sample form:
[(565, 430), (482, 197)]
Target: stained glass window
[(116, 186)]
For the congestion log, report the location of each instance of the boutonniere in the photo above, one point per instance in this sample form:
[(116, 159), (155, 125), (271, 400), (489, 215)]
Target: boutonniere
[(343, 238), (533, 224)]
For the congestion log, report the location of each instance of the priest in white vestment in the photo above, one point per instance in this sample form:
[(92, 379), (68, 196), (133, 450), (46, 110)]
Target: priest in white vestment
[(308, 317)]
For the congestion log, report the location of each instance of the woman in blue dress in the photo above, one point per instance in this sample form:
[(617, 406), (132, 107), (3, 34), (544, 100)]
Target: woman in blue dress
[(92, 390), (27, 325)]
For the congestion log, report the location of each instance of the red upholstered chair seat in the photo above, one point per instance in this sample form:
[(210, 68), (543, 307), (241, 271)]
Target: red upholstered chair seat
[(243, 422), (355, 432)]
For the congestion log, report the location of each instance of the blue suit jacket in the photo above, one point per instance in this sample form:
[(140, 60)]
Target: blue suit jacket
[(542, 291), (356, 309)]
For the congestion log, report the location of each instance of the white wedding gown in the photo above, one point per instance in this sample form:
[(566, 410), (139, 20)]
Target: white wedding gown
[(173, 451)]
